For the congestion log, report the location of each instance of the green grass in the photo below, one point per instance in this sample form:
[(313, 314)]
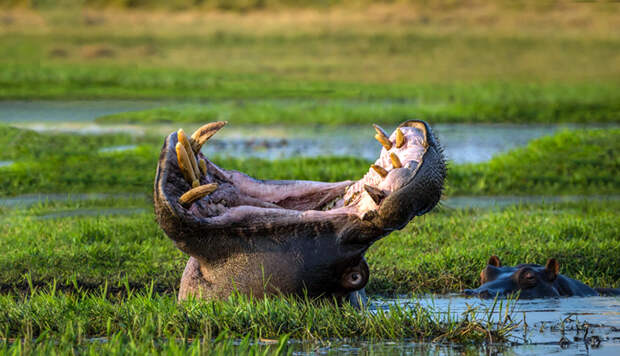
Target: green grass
[(156, 322), (445, 251), (71, 341), (490, 103), (571, 162), (440, 252)]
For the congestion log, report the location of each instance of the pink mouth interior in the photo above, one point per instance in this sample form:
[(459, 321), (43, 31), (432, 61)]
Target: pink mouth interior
[(239, 194)]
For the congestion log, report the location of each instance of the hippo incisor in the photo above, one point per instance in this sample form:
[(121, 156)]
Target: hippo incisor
[(268, 236)]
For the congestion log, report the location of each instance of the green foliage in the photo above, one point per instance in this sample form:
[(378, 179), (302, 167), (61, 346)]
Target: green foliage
[(399, 69), (72, 163)]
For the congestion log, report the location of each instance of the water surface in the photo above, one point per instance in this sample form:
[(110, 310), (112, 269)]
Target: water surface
[(544, 326), (462, 142)]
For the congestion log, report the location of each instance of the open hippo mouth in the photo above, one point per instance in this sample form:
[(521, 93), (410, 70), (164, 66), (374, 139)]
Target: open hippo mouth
[(268, 236)]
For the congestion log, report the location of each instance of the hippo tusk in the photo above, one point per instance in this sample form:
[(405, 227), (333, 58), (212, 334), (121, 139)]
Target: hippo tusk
[(204, 133), (203, 166), (196, 193), (377, 195), (188, 149), (395, 160), (382, 137), (400, 138), (380, 170), (185, 165)]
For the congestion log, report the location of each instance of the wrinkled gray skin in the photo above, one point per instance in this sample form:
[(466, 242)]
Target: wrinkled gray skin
[(531, 281), (267, 237)]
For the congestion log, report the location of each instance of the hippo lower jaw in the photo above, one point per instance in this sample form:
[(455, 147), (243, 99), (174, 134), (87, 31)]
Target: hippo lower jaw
[(264, 236)]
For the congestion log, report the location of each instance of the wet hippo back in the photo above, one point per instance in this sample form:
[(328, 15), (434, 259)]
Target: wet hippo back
[(529, 280)]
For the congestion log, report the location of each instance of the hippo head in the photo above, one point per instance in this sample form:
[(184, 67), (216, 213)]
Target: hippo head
[(529, 280), (267, 236)]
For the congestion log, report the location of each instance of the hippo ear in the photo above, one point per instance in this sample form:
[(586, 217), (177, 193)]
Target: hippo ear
[(494, 261), (552, 269)]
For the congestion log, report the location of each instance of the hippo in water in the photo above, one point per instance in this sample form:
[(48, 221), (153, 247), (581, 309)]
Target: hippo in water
[(262, 237), (531, 281)]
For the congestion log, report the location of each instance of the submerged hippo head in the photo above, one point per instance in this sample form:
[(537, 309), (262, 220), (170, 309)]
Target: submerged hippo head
[(266, 236), (529, 280)]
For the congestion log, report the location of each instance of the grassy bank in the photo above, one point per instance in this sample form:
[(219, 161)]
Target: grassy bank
[(441, 252), (571, 162), (482, 103)]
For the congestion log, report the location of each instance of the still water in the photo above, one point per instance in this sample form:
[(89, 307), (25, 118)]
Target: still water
[(563, 326), (462, 142)]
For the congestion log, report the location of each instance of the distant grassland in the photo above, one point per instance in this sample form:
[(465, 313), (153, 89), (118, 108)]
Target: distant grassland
[(484, 62), (570, 162)]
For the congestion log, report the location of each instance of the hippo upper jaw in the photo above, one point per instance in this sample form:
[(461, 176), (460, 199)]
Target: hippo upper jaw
[(319, 230)]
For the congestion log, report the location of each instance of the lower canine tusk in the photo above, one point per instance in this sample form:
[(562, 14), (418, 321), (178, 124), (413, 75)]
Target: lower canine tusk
[(192, 195), (184, 164), (382, 137), (200, 136), (182, 137)]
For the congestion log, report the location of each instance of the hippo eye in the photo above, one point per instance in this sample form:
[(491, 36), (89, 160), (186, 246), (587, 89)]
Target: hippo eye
[(353, 280)]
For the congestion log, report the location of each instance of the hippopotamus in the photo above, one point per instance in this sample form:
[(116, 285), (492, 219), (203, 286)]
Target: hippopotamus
[(262, 237), (531, 281)]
